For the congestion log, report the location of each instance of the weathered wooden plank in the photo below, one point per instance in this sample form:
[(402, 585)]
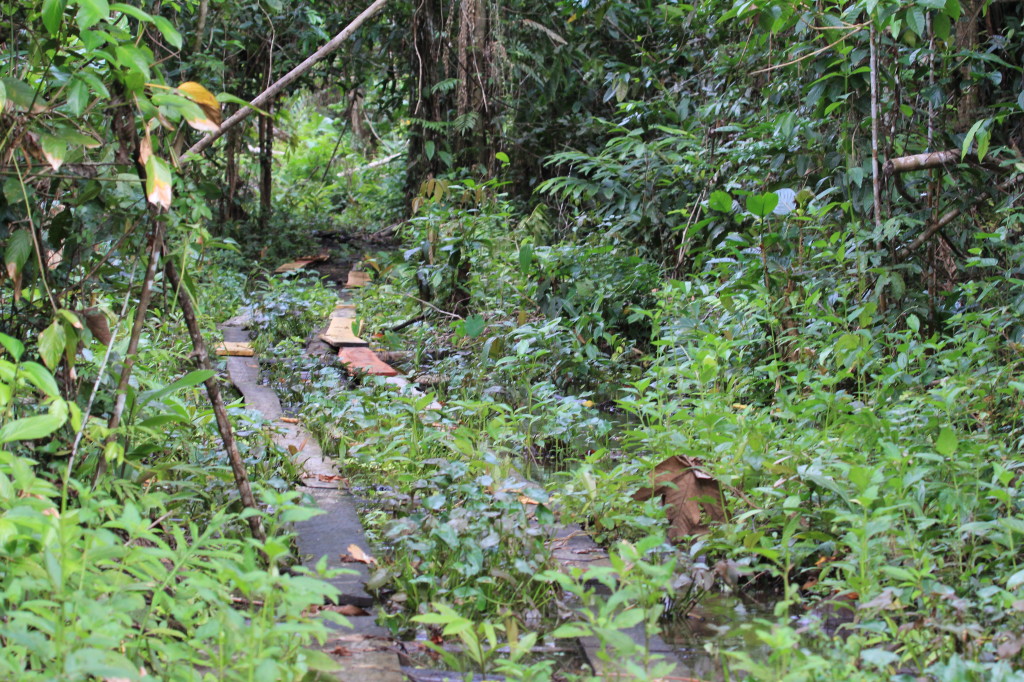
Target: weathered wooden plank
[(235, 348), (339, 333), (365, 360), (357, 278)]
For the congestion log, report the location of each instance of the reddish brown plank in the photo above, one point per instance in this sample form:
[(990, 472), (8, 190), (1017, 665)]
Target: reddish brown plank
[(365, 360)]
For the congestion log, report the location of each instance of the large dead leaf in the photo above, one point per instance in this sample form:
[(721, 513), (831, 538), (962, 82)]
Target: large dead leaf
[(357, 555), (207, 102), (692, 495), (158, 182)]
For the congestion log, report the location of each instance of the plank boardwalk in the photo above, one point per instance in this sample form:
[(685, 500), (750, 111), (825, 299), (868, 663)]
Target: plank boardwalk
[(339, 333)]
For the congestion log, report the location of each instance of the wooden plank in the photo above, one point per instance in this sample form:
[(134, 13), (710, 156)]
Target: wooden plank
[(339, 333), (294, 265), (235, 348), (365, 360), (357, 278)]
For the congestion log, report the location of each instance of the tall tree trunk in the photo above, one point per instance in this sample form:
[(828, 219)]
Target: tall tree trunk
[(266, 131)]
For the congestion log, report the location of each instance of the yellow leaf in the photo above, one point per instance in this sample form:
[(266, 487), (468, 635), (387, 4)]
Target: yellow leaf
[(207, 102), (158, 182)]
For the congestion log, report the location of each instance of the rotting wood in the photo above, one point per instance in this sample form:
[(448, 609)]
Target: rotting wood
[(272, 91), (916, 162), (364, 360), (235, 349), (340, 333)]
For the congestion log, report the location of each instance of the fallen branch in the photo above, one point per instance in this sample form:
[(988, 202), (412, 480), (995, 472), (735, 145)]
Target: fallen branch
[(286, 79), (943, 220), (374, 164), (408, 323), (916, 162)]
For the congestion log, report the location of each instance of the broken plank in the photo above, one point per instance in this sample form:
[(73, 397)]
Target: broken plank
[(339, 333), (235, 348), (357, 278), (364, 360)]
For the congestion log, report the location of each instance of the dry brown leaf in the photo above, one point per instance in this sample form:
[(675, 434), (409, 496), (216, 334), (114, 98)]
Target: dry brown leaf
[(357, 555), (527, 500), (347, 610), (690, 493), (289, 420), (329, 478), (207, 102)]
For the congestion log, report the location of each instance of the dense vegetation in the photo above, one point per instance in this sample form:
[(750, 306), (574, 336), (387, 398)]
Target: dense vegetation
[(780, 240)]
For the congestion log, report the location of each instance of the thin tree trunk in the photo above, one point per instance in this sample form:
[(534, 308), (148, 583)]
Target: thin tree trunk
[(145, 295), (266, 129), (216, 400)]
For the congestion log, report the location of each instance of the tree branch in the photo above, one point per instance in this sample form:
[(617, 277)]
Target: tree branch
[(288, 78)]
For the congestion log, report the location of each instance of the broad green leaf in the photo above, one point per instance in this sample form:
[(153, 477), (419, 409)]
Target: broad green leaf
[(947, 442), (762, 205), (158, 182), (134, 58), (720, 201), (17, 252), (1015, 580), (474, 326), (53, 15), (3, 95), (915, 20), (13, 346), (191, 379), (502, 157), (51, 344), (133, 12), (40, 377), (23, 95), (168, 31), (984, 138), (525, 257), (33, 428), (428, 149), (78, 97), (319, 661), (92, 11), (970, 137)]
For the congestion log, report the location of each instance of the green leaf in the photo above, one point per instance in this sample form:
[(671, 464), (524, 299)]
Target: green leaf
[(78, 97), (40, 377), (320, 661), (19, 248), (1015, 581), (970, 137), (168, 31), (984, 137), (51, 344), (525, 257), (15, 347), (720, 201), (133, 12), (428, 149), (502, 157), (91, 11), (473, 326), (53, 15), (3, 95), (22, 94), (762, 205), (915, 20), (947, 441), (191, 379), (134, 58), (32, 428), (54, 150)]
